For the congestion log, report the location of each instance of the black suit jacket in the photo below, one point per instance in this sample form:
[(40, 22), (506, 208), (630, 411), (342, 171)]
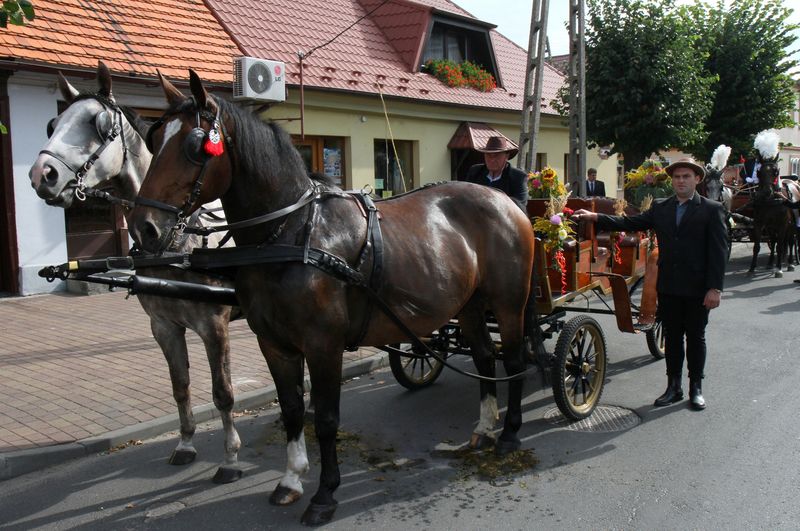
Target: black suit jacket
[(599, 189), (513, 181), (692, 256)]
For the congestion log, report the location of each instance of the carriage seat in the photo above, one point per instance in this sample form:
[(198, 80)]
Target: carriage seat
[(603, 237)]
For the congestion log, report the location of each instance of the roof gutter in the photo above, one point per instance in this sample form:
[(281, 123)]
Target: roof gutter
[(14, 65)]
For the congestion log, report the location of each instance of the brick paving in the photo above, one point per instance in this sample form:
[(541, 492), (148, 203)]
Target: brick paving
[(77, 366)]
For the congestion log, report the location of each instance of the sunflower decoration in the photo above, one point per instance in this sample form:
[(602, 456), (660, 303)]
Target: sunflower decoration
[(554, 228), (545, 184)]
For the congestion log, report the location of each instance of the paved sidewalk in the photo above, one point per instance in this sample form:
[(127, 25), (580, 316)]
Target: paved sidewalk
[(80, 374)]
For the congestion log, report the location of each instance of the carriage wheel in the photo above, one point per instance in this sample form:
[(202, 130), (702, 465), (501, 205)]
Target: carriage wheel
[(415, 372), (655, 340), (579, 369)]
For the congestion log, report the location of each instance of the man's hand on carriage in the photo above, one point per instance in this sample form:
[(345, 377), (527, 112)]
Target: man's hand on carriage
[(584, 215)]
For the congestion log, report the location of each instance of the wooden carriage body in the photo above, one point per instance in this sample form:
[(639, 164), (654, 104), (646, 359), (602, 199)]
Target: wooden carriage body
[(590, 260)]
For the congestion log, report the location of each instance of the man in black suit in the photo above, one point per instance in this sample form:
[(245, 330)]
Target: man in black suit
[(692, 245), (498, 173), (594, 188)]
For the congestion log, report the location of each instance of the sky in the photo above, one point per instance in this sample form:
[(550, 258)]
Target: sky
[(513, 20)]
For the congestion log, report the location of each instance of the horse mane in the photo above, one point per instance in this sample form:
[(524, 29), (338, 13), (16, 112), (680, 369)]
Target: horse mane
[(264, 137)]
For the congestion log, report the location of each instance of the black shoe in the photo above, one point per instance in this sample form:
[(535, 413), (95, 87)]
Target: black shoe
[(674, 392), (696, 400)]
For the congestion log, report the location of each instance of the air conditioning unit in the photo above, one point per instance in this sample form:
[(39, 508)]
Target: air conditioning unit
[(258, 79)]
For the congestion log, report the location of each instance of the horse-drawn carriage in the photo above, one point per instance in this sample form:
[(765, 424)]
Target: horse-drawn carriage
[(576, 366), (319, 269)]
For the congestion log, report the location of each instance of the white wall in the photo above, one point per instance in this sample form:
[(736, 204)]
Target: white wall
[(41, 236), (41, 231)]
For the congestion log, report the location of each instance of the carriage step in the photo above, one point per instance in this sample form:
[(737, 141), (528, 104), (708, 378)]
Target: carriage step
[(643, 327)]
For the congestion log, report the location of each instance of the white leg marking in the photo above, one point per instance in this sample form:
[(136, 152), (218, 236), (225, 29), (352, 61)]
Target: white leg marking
[(488, 415), (297, 464), (185, 444)]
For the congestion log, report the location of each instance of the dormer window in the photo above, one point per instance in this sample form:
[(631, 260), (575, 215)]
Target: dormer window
[(460, 41)]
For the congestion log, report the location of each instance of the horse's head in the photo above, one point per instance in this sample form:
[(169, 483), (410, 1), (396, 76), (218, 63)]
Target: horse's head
[(87, 146), (712, 184), (768, 175), (190, 165)]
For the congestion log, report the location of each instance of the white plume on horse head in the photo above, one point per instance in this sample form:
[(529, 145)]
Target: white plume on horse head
[(766, 143), (719, 159)]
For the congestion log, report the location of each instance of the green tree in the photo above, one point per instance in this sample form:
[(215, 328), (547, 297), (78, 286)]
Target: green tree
[(15, 12), (646, 89), (746, 47)]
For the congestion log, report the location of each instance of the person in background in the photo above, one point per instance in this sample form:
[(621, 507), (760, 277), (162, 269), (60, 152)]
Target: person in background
[(594, 188), (693, 250), (498, 173)]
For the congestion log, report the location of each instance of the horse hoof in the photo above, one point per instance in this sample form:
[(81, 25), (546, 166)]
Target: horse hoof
[(318, 514), (227, 474), (480, 441), (790, 267), (182, 457), (503, 447), (750, 273), (778, 274), (284, 496)]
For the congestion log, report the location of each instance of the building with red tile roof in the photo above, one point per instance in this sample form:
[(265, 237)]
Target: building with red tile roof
[(382, 51), (367, 114), (134, 38)]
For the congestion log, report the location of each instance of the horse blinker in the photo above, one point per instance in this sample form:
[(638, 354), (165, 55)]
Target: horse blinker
[(51, 126), (103, 124)]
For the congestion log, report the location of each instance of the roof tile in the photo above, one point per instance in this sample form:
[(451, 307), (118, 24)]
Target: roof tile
[(384, 44), (136, 36)]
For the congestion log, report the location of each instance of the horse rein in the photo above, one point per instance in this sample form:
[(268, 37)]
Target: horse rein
[(81, 191)]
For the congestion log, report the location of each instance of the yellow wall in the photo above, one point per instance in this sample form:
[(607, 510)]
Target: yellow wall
[(360, 119)]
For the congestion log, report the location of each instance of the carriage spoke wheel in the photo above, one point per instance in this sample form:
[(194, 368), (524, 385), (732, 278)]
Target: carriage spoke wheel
[(579, 369), (415, 372), (655, 340)]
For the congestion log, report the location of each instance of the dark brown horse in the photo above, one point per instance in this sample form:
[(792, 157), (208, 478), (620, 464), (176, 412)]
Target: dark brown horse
[(455, 249), (770, 217)]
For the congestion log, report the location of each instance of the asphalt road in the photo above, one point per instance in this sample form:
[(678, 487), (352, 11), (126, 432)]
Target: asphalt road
[(733, 466)]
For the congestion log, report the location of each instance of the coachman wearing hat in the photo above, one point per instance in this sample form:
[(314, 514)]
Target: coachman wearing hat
[(498, 173), (692, 246)]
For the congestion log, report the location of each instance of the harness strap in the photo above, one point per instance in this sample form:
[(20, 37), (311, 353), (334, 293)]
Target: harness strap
[(307, 197), (100, 194), (374, 242), (157, 204)]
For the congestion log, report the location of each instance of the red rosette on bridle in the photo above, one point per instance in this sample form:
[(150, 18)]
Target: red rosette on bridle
[(213, 144)]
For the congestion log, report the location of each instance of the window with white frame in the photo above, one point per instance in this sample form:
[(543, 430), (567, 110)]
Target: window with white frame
[(794, 165)]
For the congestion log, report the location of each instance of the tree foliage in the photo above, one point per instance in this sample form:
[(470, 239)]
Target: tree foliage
[(646, 89), (746, 46), (15, 12)]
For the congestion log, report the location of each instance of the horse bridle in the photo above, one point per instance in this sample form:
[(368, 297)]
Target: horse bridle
[(109, 126), (194, 153)]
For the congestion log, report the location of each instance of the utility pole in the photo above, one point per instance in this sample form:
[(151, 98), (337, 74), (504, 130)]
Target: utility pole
[(532, 102), (577, 95)]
